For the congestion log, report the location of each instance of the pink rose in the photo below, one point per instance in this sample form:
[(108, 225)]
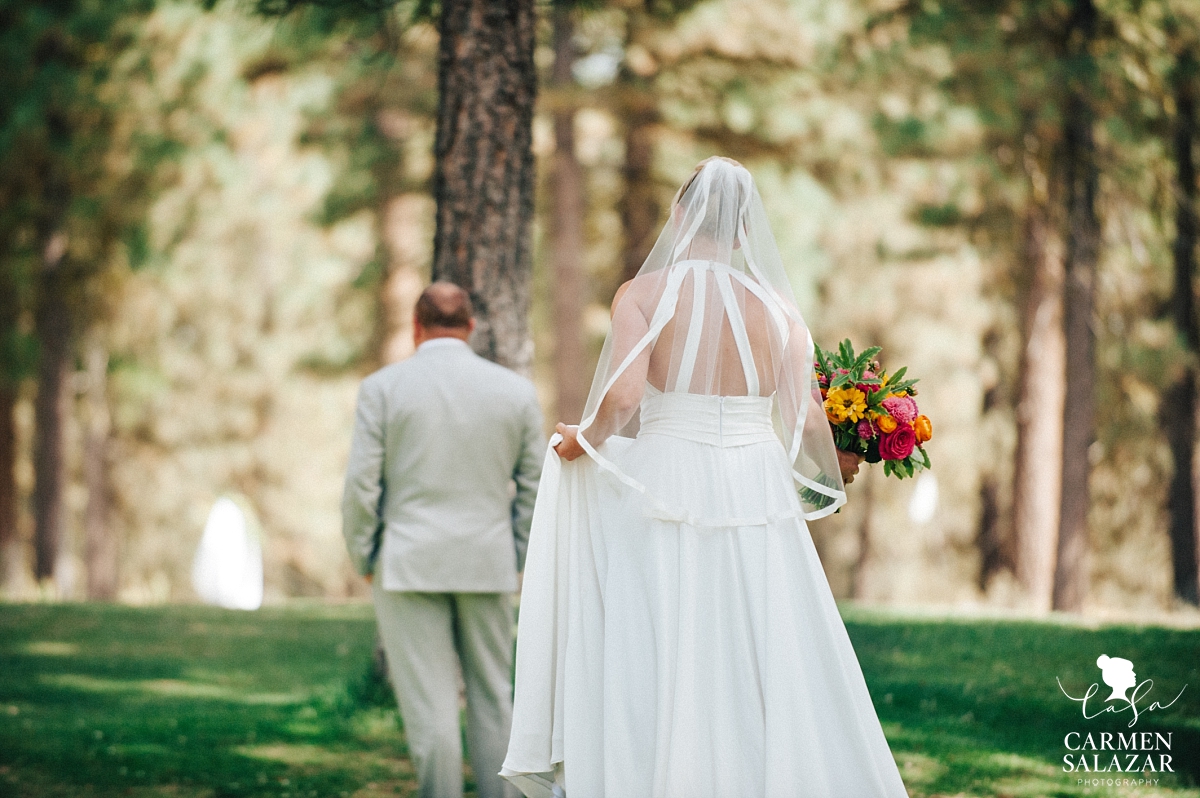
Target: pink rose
[(901, 408), (899, 444), (866, 430)]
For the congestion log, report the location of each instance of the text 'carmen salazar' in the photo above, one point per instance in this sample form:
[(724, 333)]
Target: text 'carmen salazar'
[(1131, 752)]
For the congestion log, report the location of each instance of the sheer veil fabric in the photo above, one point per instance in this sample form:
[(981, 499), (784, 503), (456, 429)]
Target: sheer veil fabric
[(677, 637), (711, 313)]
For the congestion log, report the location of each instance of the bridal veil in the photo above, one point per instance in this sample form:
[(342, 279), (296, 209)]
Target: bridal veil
[(738, 333)]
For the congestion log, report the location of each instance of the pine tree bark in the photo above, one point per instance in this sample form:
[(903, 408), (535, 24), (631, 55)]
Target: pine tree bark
[(640, 206), (483, 174), (566, 196), (100, 544), (8, 431), (8, 481), (994, 540), (1081, 177), (1179, 401), (1037, 474), (861, 581), (52, 326)]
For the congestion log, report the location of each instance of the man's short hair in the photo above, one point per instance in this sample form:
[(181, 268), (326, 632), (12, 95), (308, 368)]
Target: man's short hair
[(444, 304)]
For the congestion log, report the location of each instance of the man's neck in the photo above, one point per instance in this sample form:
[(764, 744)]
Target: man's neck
[(442, 340)]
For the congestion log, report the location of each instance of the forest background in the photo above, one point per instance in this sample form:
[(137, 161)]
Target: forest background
[(215, 220)]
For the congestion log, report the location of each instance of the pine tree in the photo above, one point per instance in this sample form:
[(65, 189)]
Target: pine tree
[(56, 129)]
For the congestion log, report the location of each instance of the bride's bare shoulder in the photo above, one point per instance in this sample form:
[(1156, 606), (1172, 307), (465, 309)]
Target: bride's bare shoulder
[(641, 290), (617, 297)]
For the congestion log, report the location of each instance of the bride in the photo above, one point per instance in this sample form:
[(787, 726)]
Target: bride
[(677, 635)]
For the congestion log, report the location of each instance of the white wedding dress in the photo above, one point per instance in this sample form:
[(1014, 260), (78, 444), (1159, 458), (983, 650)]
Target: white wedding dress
[(677, 636)]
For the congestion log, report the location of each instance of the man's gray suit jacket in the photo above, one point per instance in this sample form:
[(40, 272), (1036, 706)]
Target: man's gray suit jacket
[(443, 473)]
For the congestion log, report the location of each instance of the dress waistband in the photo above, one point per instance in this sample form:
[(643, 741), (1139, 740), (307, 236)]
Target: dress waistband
[(715, 420)]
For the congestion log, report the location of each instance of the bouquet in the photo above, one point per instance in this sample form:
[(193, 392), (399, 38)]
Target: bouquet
[(873, 413)]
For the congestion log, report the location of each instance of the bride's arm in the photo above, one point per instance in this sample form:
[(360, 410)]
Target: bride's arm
[(629, 325)]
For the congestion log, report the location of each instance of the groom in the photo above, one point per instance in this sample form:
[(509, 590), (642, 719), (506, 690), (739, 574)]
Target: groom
[(433, 521)]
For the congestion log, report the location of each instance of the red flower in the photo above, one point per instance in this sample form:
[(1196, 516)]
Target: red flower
[(898, 444)]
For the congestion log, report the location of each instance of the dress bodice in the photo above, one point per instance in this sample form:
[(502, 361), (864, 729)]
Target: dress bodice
[(716, 420)]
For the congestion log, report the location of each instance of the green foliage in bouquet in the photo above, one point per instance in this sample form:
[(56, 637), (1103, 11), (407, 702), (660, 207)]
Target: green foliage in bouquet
[(871, 412)]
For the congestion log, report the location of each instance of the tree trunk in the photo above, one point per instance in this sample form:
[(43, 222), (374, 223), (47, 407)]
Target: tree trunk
[(1179, 401), (8, 481), (1081, 177), (861, 580), (1038, 467), (640, 208), (994, 540), (565, 231), (993, 558), (8, 431), (100, 544), (52, 325), (483, 175)]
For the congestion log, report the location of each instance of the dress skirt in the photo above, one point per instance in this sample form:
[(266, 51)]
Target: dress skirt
[(691, 650)]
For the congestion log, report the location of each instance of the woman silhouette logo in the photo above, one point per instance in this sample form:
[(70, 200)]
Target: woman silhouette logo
[(1117, 674)]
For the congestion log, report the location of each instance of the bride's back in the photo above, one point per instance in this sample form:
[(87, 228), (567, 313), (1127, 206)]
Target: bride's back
[(708, 343), (712, 362)]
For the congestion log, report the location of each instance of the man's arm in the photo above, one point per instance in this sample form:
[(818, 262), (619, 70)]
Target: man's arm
[(526, 473), (362, 497)]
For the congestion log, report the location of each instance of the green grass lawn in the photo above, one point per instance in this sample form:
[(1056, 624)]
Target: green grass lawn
[(191, 701)]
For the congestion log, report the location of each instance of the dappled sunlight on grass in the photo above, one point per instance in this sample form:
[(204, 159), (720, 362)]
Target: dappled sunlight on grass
[(290, 754), (918, 769), (166, 687), (979, 696), (197, 702), (50, 648)]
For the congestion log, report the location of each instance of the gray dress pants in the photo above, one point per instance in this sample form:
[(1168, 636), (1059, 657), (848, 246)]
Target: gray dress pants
[(429, 638)]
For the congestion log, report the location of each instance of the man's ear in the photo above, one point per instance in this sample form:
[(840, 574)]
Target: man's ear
[(471, 325)]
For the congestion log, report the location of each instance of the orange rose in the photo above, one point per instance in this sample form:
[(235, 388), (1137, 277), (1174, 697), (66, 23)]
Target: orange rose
[(886, 424), (923, 427)]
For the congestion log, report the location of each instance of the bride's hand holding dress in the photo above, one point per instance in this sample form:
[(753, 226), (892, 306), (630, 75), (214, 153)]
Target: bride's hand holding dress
[(568, 448)]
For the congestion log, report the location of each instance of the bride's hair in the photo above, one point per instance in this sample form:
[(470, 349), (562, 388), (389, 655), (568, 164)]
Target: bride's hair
[(696, 172)]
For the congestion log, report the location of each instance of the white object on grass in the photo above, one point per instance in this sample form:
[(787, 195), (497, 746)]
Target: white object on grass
[(228, 570), (923, 504)]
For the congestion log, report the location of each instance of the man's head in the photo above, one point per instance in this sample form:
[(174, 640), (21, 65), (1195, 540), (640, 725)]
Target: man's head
[(443, 311)]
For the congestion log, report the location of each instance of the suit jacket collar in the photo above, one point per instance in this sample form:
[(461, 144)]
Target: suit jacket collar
[(445, 343)]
